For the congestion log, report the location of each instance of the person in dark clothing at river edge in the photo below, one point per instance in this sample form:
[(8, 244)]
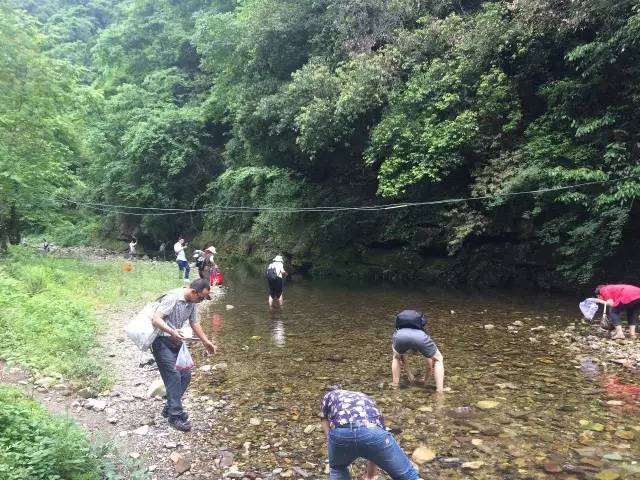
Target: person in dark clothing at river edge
[(174, 310), (410, 337), (620, 298), (354, 428), (275, 274)]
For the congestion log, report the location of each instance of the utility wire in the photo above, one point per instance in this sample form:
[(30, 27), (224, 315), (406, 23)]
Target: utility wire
[(159, 211)]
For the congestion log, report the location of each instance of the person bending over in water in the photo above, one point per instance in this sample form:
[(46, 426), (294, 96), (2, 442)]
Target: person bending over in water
[(410, 336), (354, 428), (620, 298)]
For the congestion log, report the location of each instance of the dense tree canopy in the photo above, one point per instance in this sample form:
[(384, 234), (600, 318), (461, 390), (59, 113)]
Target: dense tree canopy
[(306, 103)]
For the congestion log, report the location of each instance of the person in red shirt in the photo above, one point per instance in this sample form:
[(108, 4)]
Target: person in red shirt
[(620, 298)]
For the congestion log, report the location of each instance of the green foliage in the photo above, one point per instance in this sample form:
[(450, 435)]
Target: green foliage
[(324, 102), (34, 445), (47, 309)]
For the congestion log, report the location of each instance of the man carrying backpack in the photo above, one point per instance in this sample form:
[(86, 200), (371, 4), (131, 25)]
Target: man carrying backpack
[(174, 310), (410, 336), (275, 273)]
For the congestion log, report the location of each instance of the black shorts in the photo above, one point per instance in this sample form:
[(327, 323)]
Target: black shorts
[(275, 288)]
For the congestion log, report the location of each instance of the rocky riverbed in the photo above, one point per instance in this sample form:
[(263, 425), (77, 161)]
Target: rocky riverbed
[(528, 397)]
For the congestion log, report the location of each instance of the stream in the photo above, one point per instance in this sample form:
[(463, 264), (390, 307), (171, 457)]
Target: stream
[(543, 413)]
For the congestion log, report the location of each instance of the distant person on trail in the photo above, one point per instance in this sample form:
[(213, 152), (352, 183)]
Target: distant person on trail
[(275, 274), (175, 308), (354, 428), (45, 245), (620, 298), (132, 247), (181, 259), (162, 250), (410, 336)]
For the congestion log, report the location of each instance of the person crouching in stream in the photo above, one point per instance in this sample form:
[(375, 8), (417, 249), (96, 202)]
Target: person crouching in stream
[(620, 298), (354, 428), (410, 336)]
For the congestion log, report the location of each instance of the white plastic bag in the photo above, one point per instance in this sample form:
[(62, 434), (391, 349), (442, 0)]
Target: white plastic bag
[(588, 307), (184, 360), (140, 329)]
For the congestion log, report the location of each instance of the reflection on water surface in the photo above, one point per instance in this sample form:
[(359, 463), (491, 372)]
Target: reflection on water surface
[(548, 415)]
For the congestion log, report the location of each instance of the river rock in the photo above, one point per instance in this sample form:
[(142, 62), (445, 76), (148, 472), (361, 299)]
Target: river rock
[(182, 465), (156, 389), (95, 404), (230, 307), (255, 421), (87, 393), (472, 465), (46, 382), (225, 458), (625, 434), (552, 467), (205, 368), (614, 456), (170, 445), (309, 428), (423, 455), (518, 323), (489, 326), (220, 366), (143, 430), (487, 404), (608, 474), (302, 472)]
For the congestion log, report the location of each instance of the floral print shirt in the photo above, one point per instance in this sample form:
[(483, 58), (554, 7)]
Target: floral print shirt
[(341, 407)]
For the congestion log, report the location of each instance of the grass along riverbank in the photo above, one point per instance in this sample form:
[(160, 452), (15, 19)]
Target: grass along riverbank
[(49, 309), (35, 445), (51, 323)]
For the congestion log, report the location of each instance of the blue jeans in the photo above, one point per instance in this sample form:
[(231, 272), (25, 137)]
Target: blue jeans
[(375, 444), (175, 381), (184, 265), (632, 309)]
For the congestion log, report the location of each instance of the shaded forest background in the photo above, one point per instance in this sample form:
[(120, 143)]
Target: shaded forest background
[(280, 103)]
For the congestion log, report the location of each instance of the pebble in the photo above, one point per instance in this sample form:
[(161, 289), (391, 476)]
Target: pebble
[(487, 404), (143, 430), (423, 455), (489, 326), (95, 404)]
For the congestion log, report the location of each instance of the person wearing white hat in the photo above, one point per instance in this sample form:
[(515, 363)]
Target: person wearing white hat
[(275, 274), (205, 262)]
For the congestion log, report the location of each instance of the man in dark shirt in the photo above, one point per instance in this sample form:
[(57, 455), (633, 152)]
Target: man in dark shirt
[(355, 428)]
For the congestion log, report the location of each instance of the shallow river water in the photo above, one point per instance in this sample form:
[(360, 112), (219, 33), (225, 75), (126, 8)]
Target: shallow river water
[(549, 417)]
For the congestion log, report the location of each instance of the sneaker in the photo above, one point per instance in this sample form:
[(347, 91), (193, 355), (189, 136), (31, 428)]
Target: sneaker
[(165, 413), (179, 424)]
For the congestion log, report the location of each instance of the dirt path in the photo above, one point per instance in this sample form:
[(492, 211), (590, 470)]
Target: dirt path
[(129, 418)]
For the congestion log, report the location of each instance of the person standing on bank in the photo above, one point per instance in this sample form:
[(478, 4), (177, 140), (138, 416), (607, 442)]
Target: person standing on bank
[(354, 428), (181, 259), (275, 274), (162, 250), (132, 247), (621, 298), (410, 336), (174, 310)]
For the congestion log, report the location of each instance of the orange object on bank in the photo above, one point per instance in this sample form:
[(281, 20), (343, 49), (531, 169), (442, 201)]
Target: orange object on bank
[(127, 266)]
